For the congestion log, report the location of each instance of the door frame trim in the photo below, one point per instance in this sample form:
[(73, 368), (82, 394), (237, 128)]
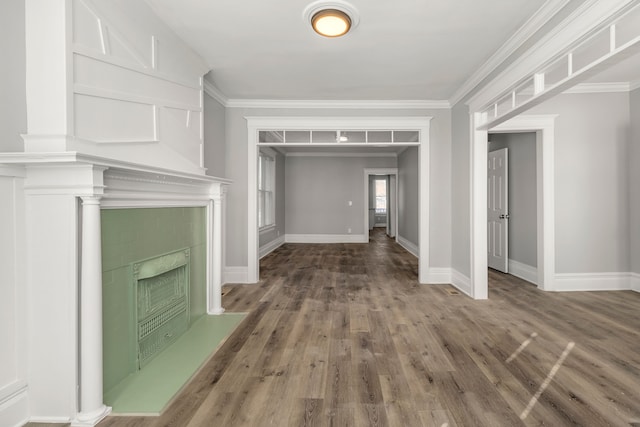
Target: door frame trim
[(255, 123), (378, 171), (543, 126)]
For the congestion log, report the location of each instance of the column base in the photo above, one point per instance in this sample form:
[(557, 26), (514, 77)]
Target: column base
[(216, 311), (90, 419)]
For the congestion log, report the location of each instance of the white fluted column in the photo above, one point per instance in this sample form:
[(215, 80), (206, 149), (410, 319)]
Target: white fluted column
[(215, 236), (92, 408)]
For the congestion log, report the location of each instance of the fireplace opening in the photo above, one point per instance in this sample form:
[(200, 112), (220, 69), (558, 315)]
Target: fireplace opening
[(161, 289)]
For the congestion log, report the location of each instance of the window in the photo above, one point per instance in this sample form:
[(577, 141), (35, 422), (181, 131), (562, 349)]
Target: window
[(266, 190), (381, 196)]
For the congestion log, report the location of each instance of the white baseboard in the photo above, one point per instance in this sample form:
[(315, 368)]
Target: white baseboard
[(593, 282), (635, 282), (267, 248), (461, 282), (523, 271), (438, 276), (409, 246), (14, 408), (325, 238), (235, 275)]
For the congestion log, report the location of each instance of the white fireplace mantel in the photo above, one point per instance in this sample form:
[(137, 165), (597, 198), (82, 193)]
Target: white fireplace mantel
[(64, 193)]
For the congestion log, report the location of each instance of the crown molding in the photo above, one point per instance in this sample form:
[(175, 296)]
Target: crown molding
[(409, 104), (590, 17), (599, 88), (340, 104), (526, 31), (215, 93)]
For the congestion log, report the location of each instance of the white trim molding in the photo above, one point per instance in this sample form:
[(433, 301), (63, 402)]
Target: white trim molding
[(338, 154), (523, 271), (14, 405), (543, 125), (325, 238), (635, 282), (408, 246), (599, 88), (235, 275), (594, 282), (340, 104), (439, 276), (256, 123), (547, 11), (267, 248), (408, 104), (461, 282)]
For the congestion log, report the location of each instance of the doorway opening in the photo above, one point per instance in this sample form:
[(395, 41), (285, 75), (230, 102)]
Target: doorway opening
[(324, 132), (543, 126), (380, 195), (512, 204)]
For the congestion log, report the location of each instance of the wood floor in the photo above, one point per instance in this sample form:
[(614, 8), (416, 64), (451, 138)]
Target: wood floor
[(343, 335)]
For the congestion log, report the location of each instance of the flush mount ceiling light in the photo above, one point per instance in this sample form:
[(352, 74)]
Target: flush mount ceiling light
[(331, 18), (331, 23)]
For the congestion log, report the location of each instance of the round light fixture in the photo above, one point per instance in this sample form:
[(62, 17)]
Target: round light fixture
[(331, 18), (331, 23)]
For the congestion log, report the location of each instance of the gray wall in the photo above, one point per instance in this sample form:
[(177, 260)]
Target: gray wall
[(634, 181), (408, 195), (522, 194), (460, 190), (13, 104), (318, 190), (236, 169), (214, 137), (591, 181), (279, 230)]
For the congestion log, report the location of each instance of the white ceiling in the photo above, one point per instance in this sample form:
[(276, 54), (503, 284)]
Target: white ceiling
[(401, 49)]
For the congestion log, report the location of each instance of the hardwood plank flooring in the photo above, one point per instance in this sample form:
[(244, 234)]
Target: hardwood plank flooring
[(343, 335)]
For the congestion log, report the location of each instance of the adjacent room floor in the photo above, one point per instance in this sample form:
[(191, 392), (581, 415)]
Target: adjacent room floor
[(343, 335)]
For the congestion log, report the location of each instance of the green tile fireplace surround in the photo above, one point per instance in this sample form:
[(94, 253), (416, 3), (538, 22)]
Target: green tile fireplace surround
[(132, 235)]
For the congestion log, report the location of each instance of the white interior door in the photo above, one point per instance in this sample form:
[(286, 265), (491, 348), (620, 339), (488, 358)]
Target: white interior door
[(497, 210)]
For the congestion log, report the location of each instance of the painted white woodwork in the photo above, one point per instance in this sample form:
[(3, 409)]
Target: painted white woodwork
[(498, 209), (214, 291), (479, 280), (235, 274), (14, 404), (369, 194), (594, 282), (544, 126), (62, 240), (255, 124), (582, 32), (635, 282), (462, 282), (408, 245), (523, 271), (92, 409), (115, 82), (271, 246)]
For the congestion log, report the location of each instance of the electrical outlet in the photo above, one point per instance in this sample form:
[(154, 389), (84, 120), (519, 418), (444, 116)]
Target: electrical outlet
[(350, 203), (349, 230)]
